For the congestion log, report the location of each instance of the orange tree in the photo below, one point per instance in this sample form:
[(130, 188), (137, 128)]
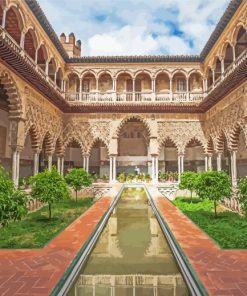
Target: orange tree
[(12, 201), (215, 186), (49, 187), (77, 179)]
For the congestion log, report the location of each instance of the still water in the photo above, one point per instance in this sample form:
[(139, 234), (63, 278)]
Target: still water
[(131, 256)]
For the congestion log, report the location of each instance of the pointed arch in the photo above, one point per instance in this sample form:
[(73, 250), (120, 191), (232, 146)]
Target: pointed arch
[(14, 23), (14, 98), (72, 139), (170, 141), (33, 132), (234, 136), (95, 140), (195, 141), (42, 57), (47, 143), (210, 146), (221, 140), (59, 147), (31, 43), (128, 118)]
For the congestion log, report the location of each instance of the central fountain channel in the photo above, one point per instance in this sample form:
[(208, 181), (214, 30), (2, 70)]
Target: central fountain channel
[(132, 256)]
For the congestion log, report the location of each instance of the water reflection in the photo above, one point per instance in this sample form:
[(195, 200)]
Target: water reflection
[(132, 256)]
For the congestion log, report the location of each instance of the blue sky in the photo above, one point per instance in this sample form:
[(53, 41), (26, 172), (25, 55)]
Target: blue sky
[(136, 27)]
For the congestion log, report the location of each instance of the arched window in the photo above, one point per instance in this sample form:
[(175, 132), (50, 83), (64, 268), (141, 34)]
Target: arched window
[(241, 42), (179, 83), (42, 57), (30, 43), (14, 25), (228, 60), (59, 78), (52, 69)]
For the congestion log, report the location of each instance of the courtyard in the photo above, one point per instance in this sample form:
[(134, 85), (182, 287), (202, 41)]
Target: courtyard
[(123, 161)]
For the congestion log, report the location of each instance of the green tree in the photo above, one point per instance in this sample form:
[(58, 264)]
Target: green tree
[(49, 187), (242, 193), (13, 202), (215, 186), (188, 181), (77, 179)]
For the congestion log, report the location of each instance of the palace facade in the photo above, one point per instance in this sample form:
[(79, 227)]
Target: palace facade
[(109, 114)]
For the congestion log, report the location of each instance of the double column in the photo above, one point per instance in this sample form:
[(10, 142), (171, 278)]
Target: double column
[(113, 168), (155, 168), (86, 162), (208, 162), (60, 164)]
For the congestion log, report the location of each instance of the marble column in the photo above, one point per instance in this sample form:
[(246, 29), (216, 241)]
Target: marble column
[(87, 163), (22, 41), (179, 167), (114, 168), (59, 164), (14, 153), (171, 89), (17, 168), (209, 162), (84, 162), (62, 166), (49, 160), (36, 163), (234, 167), (153, 168), (133, 99), (222, 68), (206, 163), (4, 18), (80, 90), (213, 71), (110, 174), (219, 162), (156, 168), (182, 163)]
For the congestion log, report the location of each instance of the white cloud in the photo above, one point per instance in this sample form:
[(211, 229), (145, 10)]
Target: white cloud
[(138, 27)]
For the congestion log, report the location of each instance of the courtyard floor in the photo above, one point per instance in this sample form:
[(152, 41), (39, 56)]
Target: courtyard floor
[(222, 272), (36, 272)]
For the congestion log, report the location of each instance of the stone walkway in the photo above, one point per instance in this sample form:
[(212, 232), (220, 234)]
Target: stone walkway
[(222, 272), (36, 272)]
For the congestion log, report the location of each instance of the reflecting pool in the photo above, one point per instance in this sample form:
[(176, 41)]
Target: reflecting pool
[(132, 256)]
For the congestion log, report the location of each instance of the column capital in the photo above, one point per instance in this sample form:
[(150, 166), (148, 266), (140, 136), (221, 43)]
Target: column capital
[(16, 148)]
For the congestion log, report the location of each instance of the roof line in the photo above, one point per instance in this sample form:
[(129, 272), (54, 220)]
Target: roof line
[(45, 24), (225, 19), (223, 22)]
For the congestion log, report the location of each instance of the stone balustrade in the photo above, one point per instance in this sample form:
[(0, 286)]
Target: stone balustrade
[(130, 97)]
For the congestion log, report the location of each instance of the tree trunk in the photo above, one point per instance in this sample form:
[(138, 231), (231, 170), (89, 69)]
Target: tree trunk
[(215, 209), (190, 196), (76, 195), (49, 207)]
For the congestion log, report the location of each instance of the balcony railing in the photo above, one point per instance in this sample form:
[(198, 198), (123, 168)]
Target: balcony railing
[(228, 71), (20, 51), (130, 97), (121, 97)]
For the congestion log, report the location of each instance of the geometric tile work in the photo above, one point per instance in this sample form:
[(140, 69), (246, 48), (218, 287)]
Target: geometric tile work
[(222, 272), (37, 271)]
